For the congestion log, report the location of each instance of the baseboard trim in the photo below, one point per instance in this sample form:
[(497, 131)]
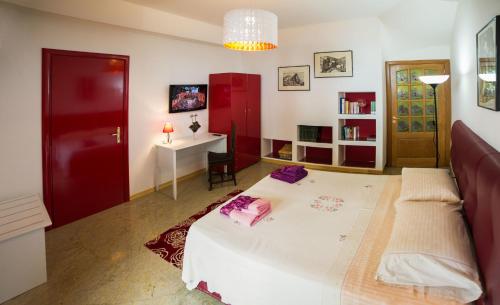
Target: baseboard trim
[(331, 168), (167, 184)]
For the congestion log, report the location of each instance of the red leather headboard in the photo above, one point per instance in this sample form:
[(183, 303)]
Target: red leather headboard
[(476, 166)]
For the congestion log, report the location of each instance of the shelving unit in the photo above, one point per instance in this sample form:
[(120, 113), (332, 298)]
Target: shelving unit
[(325, 147), (357, 151)]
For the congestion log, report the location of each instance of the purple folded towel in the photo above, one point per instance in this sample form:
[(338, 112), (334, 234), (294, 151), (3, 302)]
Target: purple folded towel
[(293, 170), (290, 174), (239, 203)]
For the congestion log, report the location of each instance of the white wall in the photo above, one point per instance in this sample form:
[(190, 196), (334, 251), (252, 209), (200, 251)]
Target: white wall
[(283, 111), (155, 62), (418, 29), (472, 15)]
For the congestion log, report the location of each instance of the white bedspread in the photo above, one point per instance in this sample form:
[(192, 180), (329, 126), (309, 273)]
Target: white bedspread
[(298, 254)]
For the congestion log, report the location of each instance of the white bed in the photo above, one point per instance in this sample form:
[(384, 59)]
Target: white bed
[(299, 254)]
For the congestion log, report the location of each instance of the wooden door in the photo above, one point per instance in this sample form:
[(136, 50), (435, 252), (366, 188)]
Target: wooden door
[(85, 138), (410, 114)]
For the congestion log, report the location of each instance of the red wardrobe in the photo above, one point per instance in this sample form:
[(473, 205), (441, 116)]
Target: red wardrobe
[(236, 97)]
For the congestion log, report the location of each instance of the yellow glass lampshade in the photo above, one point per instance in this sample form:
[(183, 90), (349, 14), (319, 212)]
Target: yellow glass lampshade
[(250, 30)]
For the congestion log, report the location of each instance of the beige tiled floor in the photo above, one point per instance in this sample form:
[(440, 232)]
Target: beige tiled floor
[(101, 259)]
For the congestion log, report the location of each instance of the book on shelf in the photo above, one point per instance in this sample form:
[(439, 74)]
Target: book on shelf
[(350, 133), (373, 107), (348, 107), (308, 133)]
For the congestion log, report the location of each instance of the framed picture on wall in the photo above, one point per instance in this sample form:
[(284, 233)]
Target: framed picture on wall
[(294, 78), (333, 64), (488, 65)]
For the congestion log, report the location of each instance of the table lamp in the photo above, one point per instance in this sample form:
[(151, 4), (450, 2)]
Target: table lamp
[(434, 81), (168, 128)]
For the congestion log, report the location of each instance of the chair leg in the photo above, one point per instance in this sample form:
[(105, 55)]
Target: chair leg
[(233, 173), (210, 177)]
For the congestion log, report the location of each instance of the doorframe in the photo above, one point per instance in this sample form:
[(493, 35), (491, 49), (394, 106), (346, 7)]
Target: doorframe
[(47, 121), (447, 88)]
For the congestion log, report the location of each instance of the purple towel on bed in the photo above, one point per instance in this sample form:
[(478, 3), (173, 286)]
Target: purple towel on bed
[(290, 174), (239, 203), (293, 170)]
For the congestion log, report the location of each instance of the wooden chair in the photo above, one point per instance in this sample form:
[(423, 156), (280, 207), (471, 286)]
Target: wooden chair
[(216, 161)]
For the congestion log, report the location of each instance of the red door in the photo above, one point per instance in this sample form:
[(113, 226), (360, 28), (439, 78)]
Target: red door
[(85, 138)]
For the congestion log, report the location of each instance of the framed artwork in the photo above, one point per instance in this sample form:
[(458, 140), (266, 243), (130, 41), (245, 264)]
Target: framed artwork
[(333, 64), (488, 65), (294, 78)]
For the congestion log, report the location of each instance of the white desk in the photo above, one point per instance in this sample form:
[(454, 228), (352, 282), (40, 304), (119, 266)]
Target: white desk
[(209, 141)]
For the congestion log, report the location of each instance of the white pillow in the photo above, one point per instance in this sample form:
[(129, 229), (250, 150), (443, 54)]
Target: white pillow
[(428, 184), (430, 248)]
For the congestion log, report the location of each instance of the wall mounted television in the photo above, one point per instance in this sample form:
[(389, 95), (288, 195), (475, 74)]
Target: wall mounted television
[(187, 98)]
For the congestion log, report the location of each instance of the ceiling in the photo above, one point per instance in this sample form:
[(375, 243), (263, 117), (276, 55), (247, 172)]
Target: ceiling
[(290, 13)]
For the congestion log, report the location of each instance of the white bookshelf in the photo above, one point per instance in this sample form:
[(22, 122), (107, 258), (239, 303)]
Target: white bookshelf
[(341, 149)]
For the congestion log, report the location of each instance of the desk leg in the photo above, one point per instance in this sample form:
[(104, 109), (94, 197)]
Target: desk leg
[(174, 178), (157, 171)]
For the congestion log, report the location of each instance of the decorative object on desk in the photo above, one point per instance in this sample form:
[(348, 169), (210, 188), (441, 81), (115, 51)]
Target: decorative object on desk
[(250, 30), (194, 124), (294, 78), (168, 128), (488, 53), (333, 64), (187, 98), (434, 81)]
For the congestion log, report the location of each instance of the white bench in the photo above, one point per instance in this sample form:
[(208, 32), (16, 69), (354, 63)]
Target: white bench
[(22, 245)]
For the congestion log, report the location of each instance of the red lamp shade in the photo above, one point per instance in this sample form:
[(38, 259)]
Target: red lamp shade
[(168, 128)]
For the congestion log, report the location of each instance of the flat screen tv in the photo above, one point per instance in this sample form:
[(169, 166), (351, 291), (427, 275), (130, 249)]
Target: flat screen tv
[(187, 98)]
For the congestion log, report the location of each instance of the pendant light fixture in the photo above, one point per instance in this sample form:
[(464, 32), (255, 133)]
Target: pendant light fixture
[(250, 30)]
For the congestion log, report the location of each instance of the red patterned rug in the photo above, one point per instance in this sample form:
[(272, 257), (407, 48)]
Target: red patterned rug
[(170, 244)]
